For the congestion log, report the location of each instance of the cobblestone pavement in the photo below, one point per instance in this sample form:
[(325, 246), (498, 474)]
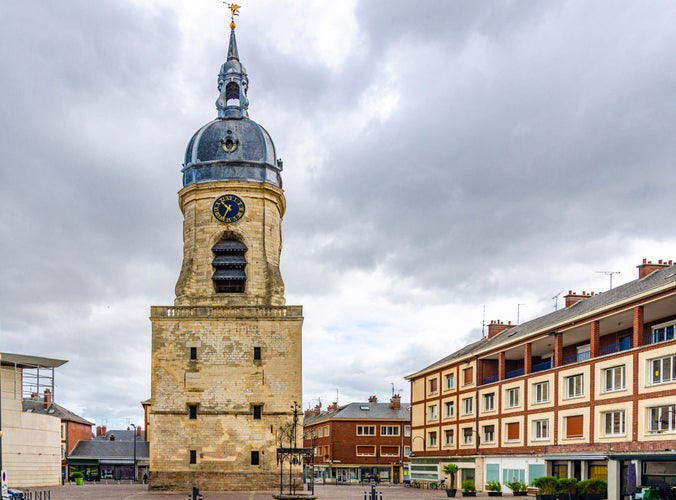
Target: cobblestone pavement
[(97, 491)]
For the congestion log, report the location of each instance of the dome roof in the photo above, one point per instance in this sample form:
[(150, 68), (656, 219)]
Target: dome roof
[(231, 149)]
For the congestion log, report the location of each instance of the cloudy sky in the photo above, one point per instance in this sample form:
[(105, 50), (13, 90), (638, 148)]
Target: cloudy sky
[(445, 163)]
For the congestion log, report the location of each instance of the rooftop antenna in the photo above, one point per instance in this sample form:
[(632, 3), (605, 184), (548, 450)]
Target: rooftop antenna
[(337, 397), (518, 313), (610, 275), (483, 323), (555, 298)]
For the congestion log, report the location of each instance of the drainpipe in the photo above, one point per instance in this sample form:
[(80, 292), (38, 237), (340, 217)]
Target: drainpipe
[(476, 410)]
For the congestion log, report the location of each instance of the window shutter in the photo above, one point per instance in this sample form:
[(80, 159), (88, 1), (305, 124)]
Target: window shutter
[(574, 426), (513, 431)]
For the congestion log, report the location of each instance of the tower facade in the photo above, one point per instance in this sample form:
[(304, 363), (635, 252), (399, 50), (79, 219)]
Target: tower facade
[(226, 357)]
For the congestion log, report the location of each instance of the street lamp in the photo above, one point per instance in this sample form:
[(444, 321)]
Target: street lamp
[(135, 475), (311, 435)]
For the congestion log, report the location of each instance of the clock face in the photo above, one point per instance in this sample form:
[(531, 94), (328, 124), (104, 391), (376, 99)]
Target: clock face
[(228, 208)]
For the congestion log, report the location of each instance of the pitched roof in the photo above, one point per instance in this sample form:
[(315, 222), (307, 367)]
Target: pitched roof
[(54, 410), (96, 448), (660, 279), (362, 411)]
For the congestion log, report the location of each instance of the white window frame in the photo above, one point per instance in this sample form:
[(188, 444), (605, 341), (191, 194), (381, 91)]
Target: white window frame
[(366, 430), (541, 392), (389, 430), (658, 416), (513, 397), (610, 376), (489, 401), (432, 413), (467, 437), (449, 433), (572, 386), (468, 406), (662, 370), (614, 423), (487, 438), (541, 429), (449, 409), (432, 438), (450, 381)]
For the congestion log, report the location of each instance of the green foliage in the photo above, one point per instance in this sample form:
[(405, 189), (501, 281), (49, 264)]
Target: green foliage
[(493, 486), (516, 486), (567, 485), (451, 470), (77, 475), (546, 484), (468, 485), (592, 486)]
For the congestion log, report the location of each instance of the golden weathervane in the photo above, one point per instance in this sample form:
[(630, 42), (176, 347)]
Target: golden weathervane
[(234, 11)]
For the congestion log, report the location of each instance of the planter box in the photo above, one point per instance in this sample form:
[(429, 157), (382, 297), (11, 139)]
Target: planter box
[(450, 493), (546, 496), (495, 493), (520, 493), (469, 493)]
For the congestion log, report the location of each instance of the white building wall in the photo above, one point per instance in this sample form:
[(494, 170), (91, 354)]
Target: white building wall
[(31, 443)]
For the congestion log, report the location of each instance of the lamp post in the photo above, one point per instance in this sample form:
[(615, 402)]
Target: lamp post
[(135, 475), (311, 435)]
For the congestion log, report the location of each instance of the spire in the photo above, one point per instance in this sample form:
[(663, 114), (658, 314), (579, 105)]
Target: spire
[(233, 82)]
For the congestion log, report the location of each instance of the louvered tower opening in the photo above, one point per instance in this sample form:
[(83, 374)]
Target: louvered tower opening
[(229, 266)]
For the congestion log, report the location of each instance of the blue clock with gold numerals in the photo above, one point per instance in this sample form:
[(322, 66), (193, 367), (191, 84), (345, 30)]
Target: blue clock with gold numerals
[(228, 208)]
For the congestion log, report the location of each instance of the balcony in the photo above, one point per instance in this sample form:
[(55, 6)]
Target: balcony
[(490, 380), (542, 365), (514, 373), (576, 358), (623, 345), (659, 335)]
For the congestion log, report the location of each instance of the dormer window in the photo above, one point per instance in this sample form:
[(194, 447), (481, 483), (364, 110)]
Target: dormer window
[(229, 266)]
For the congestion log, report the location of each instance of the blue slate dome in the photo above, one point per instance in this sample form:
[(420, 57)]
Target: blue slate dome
[(232, 147)]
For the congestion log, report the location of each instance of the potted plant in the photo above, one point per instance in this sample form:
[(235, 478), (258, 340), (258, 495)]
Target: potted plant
[(593, 489), (451, 470), (568, 488), (546, 486), (78, 477), (518, 488), (468, 488), (494, 488)]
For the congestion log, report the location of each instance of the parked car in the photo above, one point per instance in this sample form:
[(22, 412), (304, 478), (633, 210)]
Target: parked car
[(15, 494)]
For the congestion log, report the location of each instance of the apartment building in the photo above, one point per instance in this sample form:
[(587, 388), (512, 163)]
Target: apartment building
[(587, 391), (359, 441)]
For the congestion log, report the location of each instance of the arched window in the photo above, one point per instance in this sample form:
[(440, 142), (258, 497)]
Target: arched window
[(232, 94), (229, 266)]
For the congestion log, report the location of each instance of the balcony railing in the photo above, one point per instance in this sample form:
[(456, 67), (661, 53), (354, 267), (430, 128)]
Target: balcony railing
[(514, 373), (661, 335), (575, 358), (618, 347), (542, 365), (490, 380)]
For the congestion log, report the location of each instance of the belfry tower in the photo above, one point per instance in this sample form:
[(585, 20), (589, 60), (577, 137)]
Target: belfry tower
[(226, 357)]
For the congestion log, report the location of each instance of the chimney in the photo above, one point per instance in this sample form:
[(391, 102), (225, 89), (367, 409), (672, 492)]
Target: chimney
[(104, 432), (333, 406), (138, 431), (574, 297), (48, 398), (396, 401), (495, 327), (373, 399), (318, 409), (647, 267)]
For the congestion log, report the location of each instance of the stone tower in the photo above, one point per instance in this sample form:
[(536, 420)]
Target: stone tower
[(226, 357)]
